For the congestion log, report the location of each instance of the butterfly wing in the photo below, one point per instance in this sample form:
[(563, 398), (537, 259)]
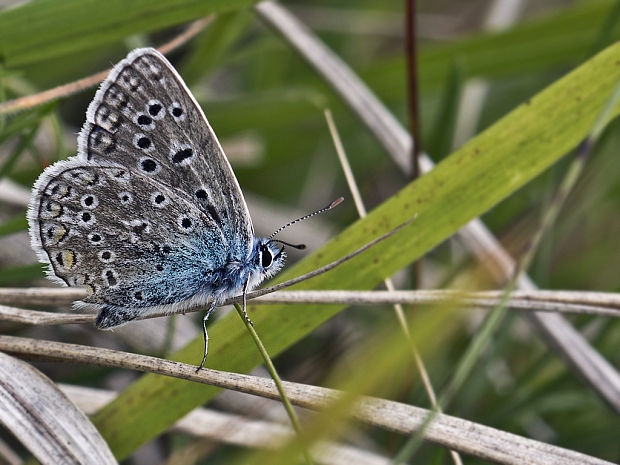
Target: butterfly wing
[(149, 209), (145, 118), (132, 242)]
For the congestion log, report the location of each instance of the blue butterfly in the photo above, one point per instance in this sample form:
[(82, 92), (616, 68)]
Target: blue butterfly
[(148, 216)]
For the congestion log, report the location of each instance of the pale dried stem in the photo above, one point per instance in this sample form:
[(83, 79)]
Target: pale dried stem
[(189, 33), (447, 431), (44, 296), (36, 318), (570, 302), (361, 210)]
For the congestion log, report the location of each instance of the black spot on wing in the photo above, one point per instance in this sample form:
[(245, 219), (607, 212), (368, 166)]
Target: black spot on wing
[(181, 155), (154, 109), (144, 120), (148, 165)]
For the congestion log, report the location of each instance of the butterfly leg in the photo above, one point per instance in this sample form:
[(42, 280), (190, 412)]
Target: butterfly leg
[(245, 292), (205, 335)]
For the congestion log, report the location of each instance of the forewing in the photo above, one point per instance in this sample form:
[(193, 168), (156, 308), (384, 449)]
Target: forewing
[(132, 242), (144, 117)]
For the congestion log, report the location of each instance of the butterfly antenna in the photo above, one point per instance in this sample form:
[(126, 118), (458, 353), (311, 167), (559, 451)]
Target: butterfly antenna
[(302, 246)]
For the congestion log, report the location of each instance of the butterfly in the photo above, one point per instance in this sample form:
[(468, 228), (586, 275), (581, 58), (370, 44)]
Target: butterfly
[(148, 216)]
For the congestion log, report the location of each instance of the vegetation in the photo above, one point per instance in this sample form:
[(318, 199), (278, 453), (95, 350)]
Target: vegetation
[(538, 165)]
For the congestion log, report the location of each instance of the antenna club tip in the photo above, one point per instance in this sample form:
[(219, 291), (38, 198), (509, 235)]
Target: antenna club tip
[(302, 247), (338, 201)]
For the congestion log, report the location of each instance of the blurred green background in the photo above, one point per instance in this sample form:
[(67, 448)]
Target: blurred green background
[(266, 105)]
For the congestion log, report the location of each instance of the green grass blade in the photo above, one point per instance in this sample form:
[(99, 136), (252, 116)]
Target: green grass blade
[(214, 45), (24, 122), (44, 29), (15, 224), (608, 29), (20, 274), (545, 43), (24, 143), (466, 184), (441, 141)]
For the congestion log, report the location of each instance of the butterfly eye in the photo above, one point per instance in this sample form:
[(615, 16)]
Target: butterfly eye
[(266, 257)]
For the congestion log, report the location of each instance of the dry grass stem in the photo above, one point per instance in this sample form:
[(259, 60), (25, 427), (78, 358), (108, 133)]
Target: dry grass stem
[(398, 309), (487, 299), (448, 431), (570, 302), (44, 296), (33, 317)]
